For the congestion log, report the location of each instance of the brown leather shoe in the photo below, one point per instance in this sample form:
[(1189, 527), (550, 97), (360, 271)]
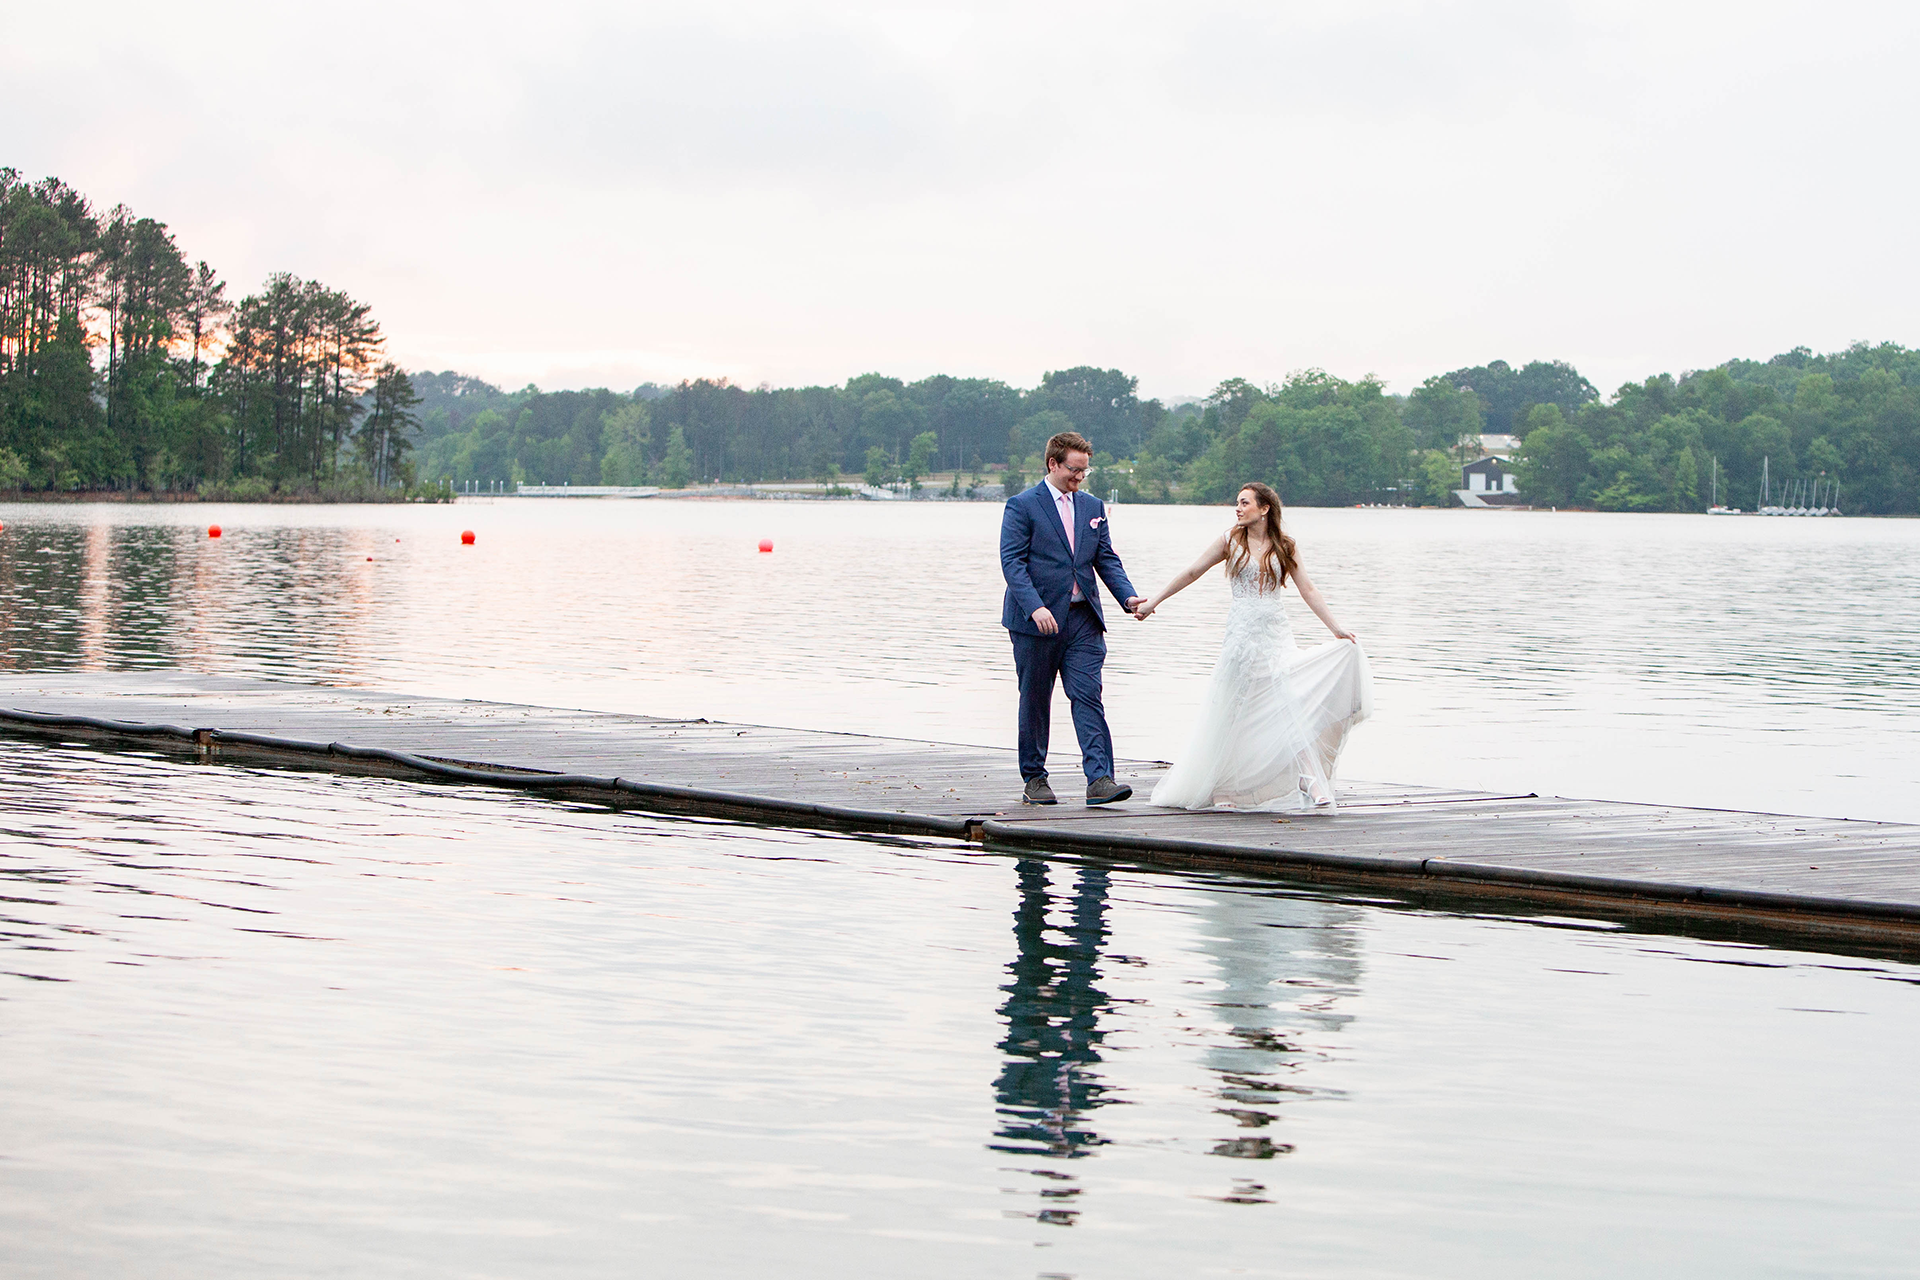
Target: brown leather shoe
[(1038, 792)]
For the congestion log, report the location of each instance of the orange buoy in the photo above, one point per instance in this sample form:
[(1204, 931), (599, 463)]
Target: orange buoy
[(766, 544), (213, 531), (466, 537)]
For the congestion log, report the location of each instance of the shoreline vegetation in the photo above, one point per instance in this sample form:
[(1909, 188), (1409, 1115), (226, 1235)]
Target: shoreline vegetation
[(127, 375), (240, 491), (124, 368)]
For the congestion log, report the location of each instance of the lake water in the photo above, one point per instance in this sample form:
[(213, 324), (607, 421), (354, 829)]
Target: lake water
[(1734, 662), (271, 1024), (259, 1022)]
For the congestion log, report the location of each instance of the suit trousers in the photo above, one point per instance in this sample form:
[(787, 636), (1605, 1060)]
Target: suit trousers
[(1074, 654)]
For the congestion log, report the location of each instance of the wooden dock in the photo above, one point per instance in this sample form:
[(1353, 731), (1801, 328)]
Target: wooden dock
[(1754, 875)]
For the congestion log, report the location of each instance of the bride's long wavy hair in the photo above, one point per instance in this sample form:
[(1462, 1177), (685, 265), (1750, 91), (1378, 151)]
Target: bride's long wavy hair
[(1277, 561)]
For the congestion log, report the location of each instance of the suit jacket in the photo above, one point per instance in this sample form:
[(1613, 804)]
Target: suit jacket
[(1040, 568)]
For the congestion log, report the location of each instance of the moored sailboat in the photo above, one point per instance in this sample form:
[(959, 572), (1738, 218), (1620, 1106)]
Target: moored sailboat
[(1798, 497)]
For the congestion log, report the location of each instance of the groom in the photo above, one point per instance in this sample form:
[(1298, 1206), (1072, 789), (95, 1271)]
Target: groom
[(1053, 540)]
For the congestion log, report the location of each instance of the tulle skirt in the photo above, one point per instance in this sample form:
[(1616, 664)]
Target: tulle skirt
[(1274, 719)]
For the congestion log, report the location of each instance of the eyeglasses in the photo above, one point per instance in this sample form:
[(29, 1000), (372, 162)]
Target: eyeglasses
[(1075, 471)]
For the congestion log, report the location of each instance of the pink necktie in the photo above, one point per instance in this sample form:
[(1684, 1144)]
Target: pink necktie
[(1066, 518)]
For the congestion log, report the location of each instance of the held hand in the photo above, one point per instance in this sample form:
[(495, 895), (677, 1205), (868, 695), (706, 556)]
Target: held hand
[(1142, 608), (1043, 618)]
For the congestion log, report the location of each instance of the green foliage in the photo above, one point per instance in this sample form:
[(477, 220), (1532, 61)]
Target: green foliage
[(386, 437), (1854, 416), (1148, 479), (1685, 493), (1027, 440), (1318, 440), (1555, 459), (239, 489), (1506, 394), (105, 332), (920, 457), (1851, 417), (678, 462), (1439, 414), (298, 360), (1631, 482), (886, 418), (1100, 404), (624, 433), (1435, 478)]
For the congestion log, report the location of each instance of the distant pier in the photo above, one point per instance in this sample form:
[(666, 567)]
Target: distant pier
[(1763, 876)]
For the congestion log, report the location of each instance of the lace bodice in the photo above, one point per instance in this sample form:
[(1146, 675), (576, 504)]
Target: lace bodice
[(1246, 585), (1258, 629)]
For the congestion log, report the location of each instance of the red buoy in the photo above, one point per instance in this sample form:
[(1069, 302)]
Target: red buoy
[(369, 559), (213, 531), (466, 537), (766, 544)]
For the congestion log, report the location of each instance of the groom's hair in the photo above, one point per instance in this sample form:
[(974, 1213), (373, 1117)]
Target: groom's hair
[(1065, 443)]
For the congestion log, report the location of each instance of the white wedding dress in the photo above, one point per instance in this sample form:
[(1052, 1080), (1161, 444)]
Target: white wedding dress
[(1275, 715)]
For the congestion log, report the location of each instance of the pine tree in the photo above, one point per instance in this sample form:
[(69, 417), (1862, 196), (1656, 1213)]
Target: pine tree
[(386, 437)]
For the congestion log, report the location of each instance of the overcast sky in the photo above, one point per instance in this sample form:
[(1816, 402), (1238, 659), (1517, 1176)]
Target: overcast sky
[(585, 194)]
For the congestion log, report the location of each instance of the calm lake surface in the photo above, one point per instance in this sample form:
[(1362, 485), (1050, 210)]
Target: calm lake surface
[(259, 1022), (1734, 662)]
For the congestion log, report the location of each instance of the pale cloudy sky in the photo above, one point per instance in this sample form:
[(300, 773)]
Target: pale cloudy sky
[(601, 193)]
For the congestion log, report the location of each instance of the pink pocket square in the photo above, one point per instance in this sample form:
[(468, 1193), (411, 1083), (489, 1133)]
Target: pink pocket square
[(1095, 522)]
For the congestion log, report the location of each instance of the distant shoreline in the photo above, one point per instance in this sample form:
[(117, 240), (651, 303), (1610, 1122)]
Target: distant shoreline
[(147, 496), (715, 493)]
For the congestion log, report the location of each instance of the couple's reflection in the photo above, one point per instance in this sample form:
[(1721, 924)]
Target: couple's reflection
[(1047, 1082), (1284, 963)]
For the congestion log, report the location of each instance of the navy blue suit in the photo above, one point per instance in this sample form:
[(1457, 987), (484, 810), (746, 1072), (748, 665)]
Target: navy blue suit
[(1041, 570)]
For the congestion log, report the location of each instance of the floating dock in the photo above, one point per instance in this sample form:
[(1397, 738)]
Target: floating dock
[(1763, 876)]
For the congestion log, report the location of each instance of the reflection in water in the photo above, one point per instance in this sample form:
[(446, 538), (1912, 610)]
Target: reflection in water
[(1282, 965), (287, 602), (1051, 1010), (1047, 1083), (1284, 962)]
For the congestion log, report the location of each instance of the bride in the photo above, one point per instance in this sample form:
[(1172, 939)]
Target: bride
[(1275, 715)]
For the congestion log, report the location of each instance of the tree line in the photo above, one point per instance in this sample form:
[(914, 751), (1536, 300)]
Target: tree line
[(874, 427), (1851, 418), (125, 366)]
